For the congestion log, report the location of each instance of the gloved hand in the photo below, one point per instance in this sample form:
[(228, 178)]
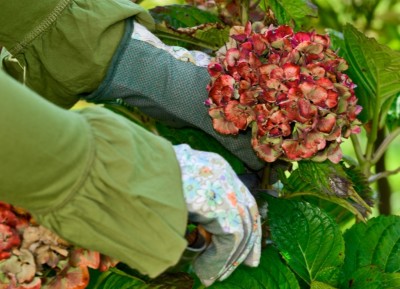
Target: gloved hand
[(219, 201), (169, 84)]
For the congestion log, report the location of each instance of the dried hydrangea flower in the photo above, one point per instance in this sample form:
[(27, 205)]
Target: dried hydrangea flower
[(28, 252), (290, 88)]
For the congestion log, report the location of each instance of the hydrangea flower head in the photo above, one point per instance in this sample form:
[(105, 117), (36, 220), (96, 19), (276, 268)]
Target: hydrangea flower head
[(289, 87)]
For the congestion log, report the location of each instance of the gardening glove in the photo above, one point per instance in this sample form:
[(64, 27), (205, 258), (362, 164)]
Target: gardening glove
[(219, 201), (169, 84)]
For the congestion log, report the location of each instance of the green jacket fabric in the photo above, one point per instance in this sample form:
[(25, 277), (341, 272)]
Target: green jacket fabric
[(93, 177), (65, 45)]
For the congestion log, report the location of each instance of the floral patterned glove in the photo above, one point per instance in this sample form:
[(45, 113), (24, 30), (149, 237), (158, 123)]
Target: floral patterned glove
[(219, 201)]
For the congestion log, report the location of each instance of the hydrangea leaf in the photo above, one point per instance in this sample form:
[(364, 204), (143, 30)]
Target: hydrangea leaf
[(121, 280), (308, 239), (272, 273), (287, 10), (393, 116), (178, 16), (327, 181), (183, 24), (375, 68), (371, 277), (210, 35), (376, 243), (320, 285)]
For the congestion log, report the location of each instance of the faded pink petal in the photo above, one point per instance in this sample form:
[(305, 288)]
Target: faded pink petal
[(222, 89), (306, 109), (292, 149), (332, 99), (9, 238), (278, 124), (279, 33), (301, 37), (258, 43), (254, 61), (314, 93), (325, 124), (83, 257), (250, 97), (232, 55), (215, 69), (240, 115), (276, 74), (315, 141), (291, 71), (334, 153), (220, 123), (247, 46), (267, 68), (324, 82), (70, 278), (310, 47), (316, 70), (321, 39), (268, 151)]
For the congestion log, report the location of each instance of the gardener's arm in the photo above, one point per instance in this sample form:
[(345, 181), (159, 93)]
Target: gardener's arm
[(105, 184), (93, 177)]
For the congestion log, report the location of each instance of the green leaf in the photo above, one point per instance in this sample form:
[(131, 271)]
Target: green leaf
[(286, 11), (178, 16), (210, 36), (308, 239), (272, 273), (327, 181), (190, 25), (121, 280), (393, 115), (320, 285), (391, 281), (368, 277), (376, 242), (375, 69), (360, 184)]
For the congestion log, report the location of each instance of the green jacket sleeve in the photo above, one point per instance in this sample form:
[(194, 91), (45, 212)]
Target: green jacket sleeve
[(93, 177), (65, 45)]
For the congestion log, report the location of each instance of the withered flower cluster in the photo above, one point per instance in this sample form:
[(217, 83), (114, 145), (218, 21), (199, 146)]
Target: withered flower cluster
[(32, 257), (288, 87)]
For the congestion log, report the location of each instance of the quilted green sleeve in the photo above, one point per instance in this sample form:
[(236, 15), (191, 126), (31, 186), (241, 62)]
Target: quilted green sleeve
[(93, 177)]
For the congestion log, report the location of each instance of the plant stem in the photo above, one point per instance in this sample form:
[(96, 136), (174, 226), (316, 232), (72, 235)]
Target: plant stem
[(357, 148), (384, 174), (265, 181), (366, 165), (384, 145), (383, 185)]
